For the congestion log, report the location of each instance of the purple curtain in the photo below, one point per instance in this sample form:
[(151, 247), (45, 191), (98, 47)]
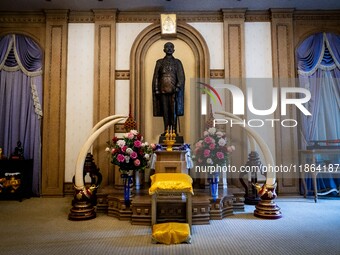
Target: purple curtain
[(4, 48), (309, 53), (20, 97), (318, 59)]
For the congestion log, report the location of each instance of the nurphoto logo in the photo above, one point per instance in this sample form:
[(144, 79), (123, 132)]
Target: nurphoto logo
[(238, 104)]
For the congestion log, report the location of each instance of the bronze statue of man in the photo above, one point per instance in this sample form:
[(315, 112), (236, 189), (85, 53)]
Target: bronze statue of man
[(168, 88)]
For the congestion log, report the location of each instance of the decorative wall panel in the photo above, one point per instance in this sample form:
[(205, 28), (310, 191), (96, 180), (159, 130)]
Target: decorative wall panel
[(283, 74), (104, 85), (54, 121), (234, 69)]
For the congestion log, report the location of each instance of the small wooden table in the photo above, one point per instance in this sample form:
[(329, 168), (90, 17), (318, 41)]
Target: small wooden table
[(171, 162)]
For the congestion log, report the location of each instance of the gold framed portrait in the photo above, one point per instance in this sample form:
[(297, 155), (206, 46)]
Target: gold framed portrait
[(168, 24)]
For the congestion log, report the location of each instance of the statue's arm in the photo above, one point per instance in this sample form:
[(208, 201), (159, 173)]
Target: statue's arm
[(155, 79), (180, 75)]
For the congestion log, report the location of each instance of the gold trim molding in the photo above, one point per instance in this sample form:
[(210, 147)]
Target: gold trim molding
[(81, 17), (234, 14), (217, 74), (137, 17), (152, 17), (317, 15), (122, 75), (107, 15), (57, 15), (257, 16), (200, 17), (22, 17), (282, 13)]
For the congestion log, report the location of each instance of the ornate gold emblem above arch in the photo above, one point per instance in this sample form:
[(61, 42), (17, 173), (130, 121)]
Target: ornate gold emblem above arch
[(192, 50)]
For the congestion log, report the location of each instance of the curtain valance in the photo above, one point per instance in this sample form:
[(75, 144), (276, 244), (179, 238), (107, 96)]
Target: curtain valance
[(321, 50), (19, 52)]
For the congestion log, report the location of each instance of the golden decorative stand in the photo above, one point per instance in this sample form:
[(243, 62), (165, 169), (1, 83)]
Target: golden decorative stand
[(170, 139)]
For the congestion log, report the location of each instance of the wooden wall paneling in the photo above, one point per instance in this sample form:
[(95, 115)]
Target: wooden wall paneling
[(234, 72), (31, 24), (283, 74), (54, 121), (307, 23), (104, 85)]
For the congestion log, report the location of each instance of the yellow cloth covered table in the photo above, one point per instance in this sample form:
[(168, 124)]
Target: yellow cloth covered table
[(170, 182), (171, 233)]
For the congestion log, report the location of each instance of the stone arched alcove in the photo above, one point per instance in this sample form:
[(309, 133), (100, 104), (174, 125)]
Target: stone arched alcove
[(145, 40)]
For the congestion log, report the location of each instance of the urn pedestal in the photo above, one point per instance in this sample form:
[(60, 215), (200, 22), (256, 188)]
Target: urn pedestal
[(267, 208)]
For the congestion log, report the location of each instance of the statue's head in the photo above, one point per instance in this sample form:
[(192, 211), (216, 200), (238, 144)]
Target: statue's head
[(169, 48)]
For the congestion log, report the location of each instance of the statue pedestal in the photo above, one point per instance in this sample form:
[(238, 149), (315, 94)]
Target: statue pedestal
[(171, 162)]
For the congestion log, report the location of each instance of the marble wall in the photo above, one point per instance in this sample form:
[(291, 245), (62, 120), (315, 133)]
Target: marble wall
[(79, 95)]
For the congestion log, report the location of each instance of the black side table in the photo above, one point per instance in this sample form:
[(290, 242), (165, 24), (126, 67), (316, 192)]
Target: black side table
[(16, 178)]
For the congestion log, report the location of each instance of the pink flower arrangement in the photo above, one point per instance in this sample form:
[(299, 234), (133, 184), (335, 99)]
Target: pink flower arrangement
[(129, 153), (213, 148)]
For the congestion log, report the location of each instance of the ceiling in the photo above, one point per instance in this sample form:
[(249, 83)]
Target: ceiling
[(166, 5)]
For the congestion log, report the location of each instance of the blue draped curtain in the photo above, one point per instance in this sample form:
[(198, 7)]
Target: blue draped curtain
[(318, 59), (20, 99)]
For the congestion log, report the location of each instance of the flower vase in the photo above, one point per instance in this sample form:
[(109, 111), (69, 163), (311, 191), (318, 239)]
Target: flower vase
[(127, 181), (138, 179), (214, 179)]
